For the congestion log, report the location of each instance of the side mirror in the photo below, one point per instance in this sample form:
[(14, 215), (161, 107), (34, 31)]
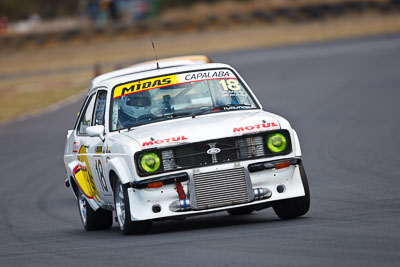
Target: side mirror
[(97, 130)]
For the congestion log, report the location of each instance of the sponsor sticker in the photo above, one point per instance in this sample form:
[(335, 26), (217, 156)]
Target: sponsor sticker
[(207, 75), (86, 178), (75, 147), (236, 108), (256, 127), (99, 149), (162, 81), (164, 141), (143, 85)]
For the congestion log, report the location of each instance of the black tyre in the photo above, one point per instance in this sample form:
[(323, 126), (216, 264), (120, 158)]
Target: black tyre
[(241, 211), (294, 207), (122, 210), (93, 220)]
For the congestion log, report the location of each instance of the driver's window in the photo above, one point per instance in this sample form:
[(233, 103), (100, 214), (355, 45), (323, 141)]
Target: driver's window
[(87, 115)]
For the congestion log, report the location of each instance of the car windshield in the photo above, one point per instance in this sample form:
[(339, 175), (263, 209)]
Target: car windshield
[(177, 95)]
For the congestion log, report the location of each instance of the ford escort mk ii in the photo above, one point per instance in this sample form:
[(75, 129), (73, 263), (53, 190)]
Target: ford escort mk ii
[(183, 139)]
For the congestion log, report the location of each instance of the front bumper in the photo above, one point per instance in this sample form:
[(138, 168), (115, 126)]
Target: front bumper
[(155, 203)]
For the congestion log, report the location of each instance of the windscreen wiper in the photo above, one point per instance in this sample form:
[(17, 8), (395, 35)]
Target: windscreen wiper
[(192, 113), (178, 114)]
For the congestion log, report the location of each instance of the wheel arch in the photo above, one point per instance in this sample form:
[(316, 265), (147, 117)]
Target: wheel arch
[(118, 169), (74, 186), (112, 177)]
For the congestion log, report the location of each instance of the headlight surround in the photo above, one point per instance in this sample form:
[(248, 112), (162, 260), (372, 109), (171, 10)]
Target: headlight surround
[(276, 142), (150, 162)]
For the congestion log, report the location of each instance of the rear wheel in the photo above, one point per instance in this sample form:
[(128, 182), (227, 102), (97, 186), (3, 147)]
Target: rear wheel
[(122, 210), (295, 207), (93, 220)]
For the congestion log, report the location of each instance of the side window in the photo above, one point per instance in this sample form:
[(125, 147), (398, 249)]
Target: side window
[(86, 118), (100, 108), (80, 112)]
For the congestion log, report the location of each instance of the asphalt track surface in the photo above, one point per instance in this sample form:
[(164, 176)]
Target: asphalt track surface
[(342, 98)]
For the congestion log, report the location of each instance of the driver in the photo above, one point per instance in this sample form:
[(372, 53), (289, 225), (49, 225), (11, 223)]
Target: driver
[(134, 107)]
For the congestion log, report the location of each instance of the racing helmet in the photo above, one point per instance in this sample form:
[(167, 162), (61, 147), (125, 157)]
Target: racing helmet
[(136, 104)]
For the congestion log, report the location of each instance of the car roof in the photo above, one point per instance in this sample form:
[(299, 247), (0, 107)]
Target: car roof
[(151, 65)]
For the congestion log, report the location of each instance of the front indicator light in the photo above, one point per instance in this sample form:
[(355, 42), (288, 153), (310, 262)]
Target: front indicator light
[(150, 162), (281, 165), (155, 185), (276, 142)]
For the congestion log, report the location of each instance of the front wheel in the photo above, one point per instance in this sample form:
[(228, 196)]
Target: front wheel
[(295, 207), (122, 210), (93, 220)]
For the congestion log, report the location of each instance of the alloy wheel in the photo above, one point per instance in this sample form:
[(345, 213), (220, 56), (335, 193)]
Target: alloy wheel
[(120, 205), (82, 207)]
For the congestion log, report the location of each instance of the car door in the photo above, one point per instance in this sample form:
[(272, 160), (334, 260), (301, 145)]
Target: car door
[(82, 148), (97, 149)]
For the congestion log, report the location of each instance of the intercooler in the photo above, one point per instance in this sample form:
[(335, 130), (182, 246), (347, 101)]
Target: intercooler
[(220, 188)]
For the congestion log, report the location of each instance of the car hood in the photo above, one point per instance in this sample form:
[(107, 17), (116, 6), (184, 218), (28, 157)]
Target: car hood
[(204, 127)]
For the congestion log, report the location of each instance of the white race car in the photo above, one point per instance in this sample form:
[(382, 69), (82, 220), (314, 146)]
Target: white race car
[(182, 138)]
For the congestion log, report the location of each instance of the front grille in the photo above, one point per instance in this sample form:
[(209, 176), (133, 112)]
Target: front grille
[(251, 147), (193, 155), (232, 149), (229, 150), (168, 160), (220, 188)]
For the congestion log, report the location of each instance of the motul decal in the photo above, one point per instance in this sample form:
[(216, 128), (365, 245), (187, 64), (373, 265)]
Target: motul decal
[(164, 141), (268, 125)]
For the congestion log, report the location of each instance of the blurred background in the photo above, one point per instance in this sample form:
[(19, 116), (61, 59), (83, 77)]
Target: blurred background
[(49, 50)]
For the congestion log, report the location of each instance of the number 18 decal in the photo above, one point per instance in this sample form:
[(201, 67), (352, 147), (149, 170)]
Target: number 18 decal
[(230, 84), (100, 174)]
